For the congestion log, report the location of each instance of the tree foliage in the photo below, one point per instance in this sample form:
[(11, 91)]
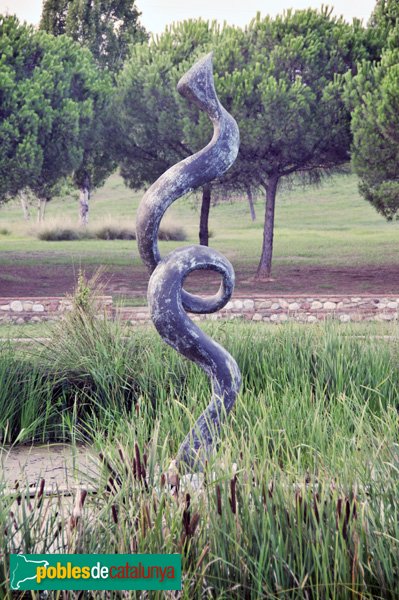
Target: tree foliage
[(383, 20), (106, 27), (385, 16), (282, 79), (20, 158), (288, 102), (52, 94), (154, 128), (373, 96)]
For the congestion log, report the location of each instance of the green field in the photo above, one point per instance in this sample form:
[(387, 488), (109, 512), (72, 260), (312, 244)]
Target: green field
[(328, 225)]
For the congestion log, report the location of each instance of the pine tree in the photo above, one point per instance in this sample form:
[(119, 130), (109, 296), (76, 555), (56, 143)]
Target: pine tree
[(52, 103), (281, 79), (106, 27), (373, 96)]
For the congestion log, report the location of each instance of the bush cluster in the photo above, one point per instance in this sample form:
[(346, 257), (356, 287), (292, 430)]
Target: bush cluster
[(59, 233)]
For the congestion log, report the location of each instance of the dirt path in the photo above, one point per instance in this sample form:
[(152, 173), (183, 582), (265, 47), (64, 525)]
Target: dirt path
[(63, 467), (56, 280)]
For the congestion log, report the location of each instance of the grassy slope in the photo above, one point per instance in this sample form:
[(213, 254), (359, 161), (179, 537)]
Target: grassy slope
[(331, 225)]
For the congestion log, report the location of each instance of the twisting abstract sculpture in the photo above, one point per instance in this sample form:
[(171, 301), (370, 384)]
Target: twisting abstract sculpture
[(167, 299)]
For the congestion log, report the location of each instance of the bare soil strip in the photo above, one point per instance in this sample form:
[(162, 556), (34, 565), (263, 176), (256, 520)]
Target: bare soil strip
[(63, 467), (56, 280)]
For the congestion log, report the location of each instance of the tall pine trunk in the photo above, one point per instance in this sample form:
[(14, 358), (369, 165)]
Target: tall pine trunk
[(265, 263), (41, 209), (204, 219), (251, 204), (84, 198), (24, 205)]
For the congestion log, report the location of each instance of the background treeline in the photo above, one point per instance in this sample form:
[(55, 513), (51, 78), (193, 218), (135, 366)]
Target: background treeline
[(89, 91)]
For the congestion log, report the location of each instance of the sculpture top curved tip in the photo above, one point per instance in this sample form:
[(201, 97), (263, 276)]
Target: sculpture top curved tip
[(192, 172), (198, 86)]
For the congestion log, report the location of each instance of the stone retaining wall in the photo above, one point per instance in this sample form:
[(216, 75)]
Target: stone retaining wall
[(37, 310), (305, 309), (273, 309)]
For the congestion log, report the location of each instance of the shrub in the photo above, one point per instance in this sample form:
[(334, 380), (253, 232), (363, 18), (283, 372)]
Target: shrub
[(54, 232), (5, 231), (115, 232), (169, 233), (63, 234)]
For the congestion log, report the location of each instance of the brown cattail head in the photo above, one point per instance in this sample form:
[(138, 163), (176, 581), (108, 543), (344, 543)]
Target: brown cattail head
[(19, 497), (186, 516), (194, 523), (271, 489), (114, 510), (124, 461), (78, 507), (173, 476), (138, 461), (218, 500), (316, 501), (41, 488), (233, 494)]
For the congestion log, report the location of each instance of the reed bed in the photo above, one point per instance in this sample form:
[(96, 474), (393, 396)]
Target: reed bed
[(299, 500)]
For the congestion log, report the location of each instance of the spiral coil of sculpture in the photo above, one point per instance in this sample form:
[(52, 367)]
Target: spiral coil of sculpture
[(168, 301)]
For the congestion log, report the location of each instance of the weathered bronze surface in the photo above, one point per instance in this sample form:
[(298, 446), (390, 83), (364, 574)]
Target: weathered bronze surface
[(167, 299)]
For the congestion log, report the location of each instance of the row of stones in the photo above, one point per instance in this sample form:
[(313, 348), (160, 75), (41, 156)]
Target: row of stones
[(50, 305), (264, 307), (304, 309), (261, 309), (19, 306), (250, 305), (312, 304), (273, 318)]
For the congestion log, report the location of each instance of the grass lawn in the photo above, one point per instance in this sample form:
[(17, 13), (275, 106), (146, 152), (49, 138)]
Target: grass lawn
[(328, 228), (27, 330)]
